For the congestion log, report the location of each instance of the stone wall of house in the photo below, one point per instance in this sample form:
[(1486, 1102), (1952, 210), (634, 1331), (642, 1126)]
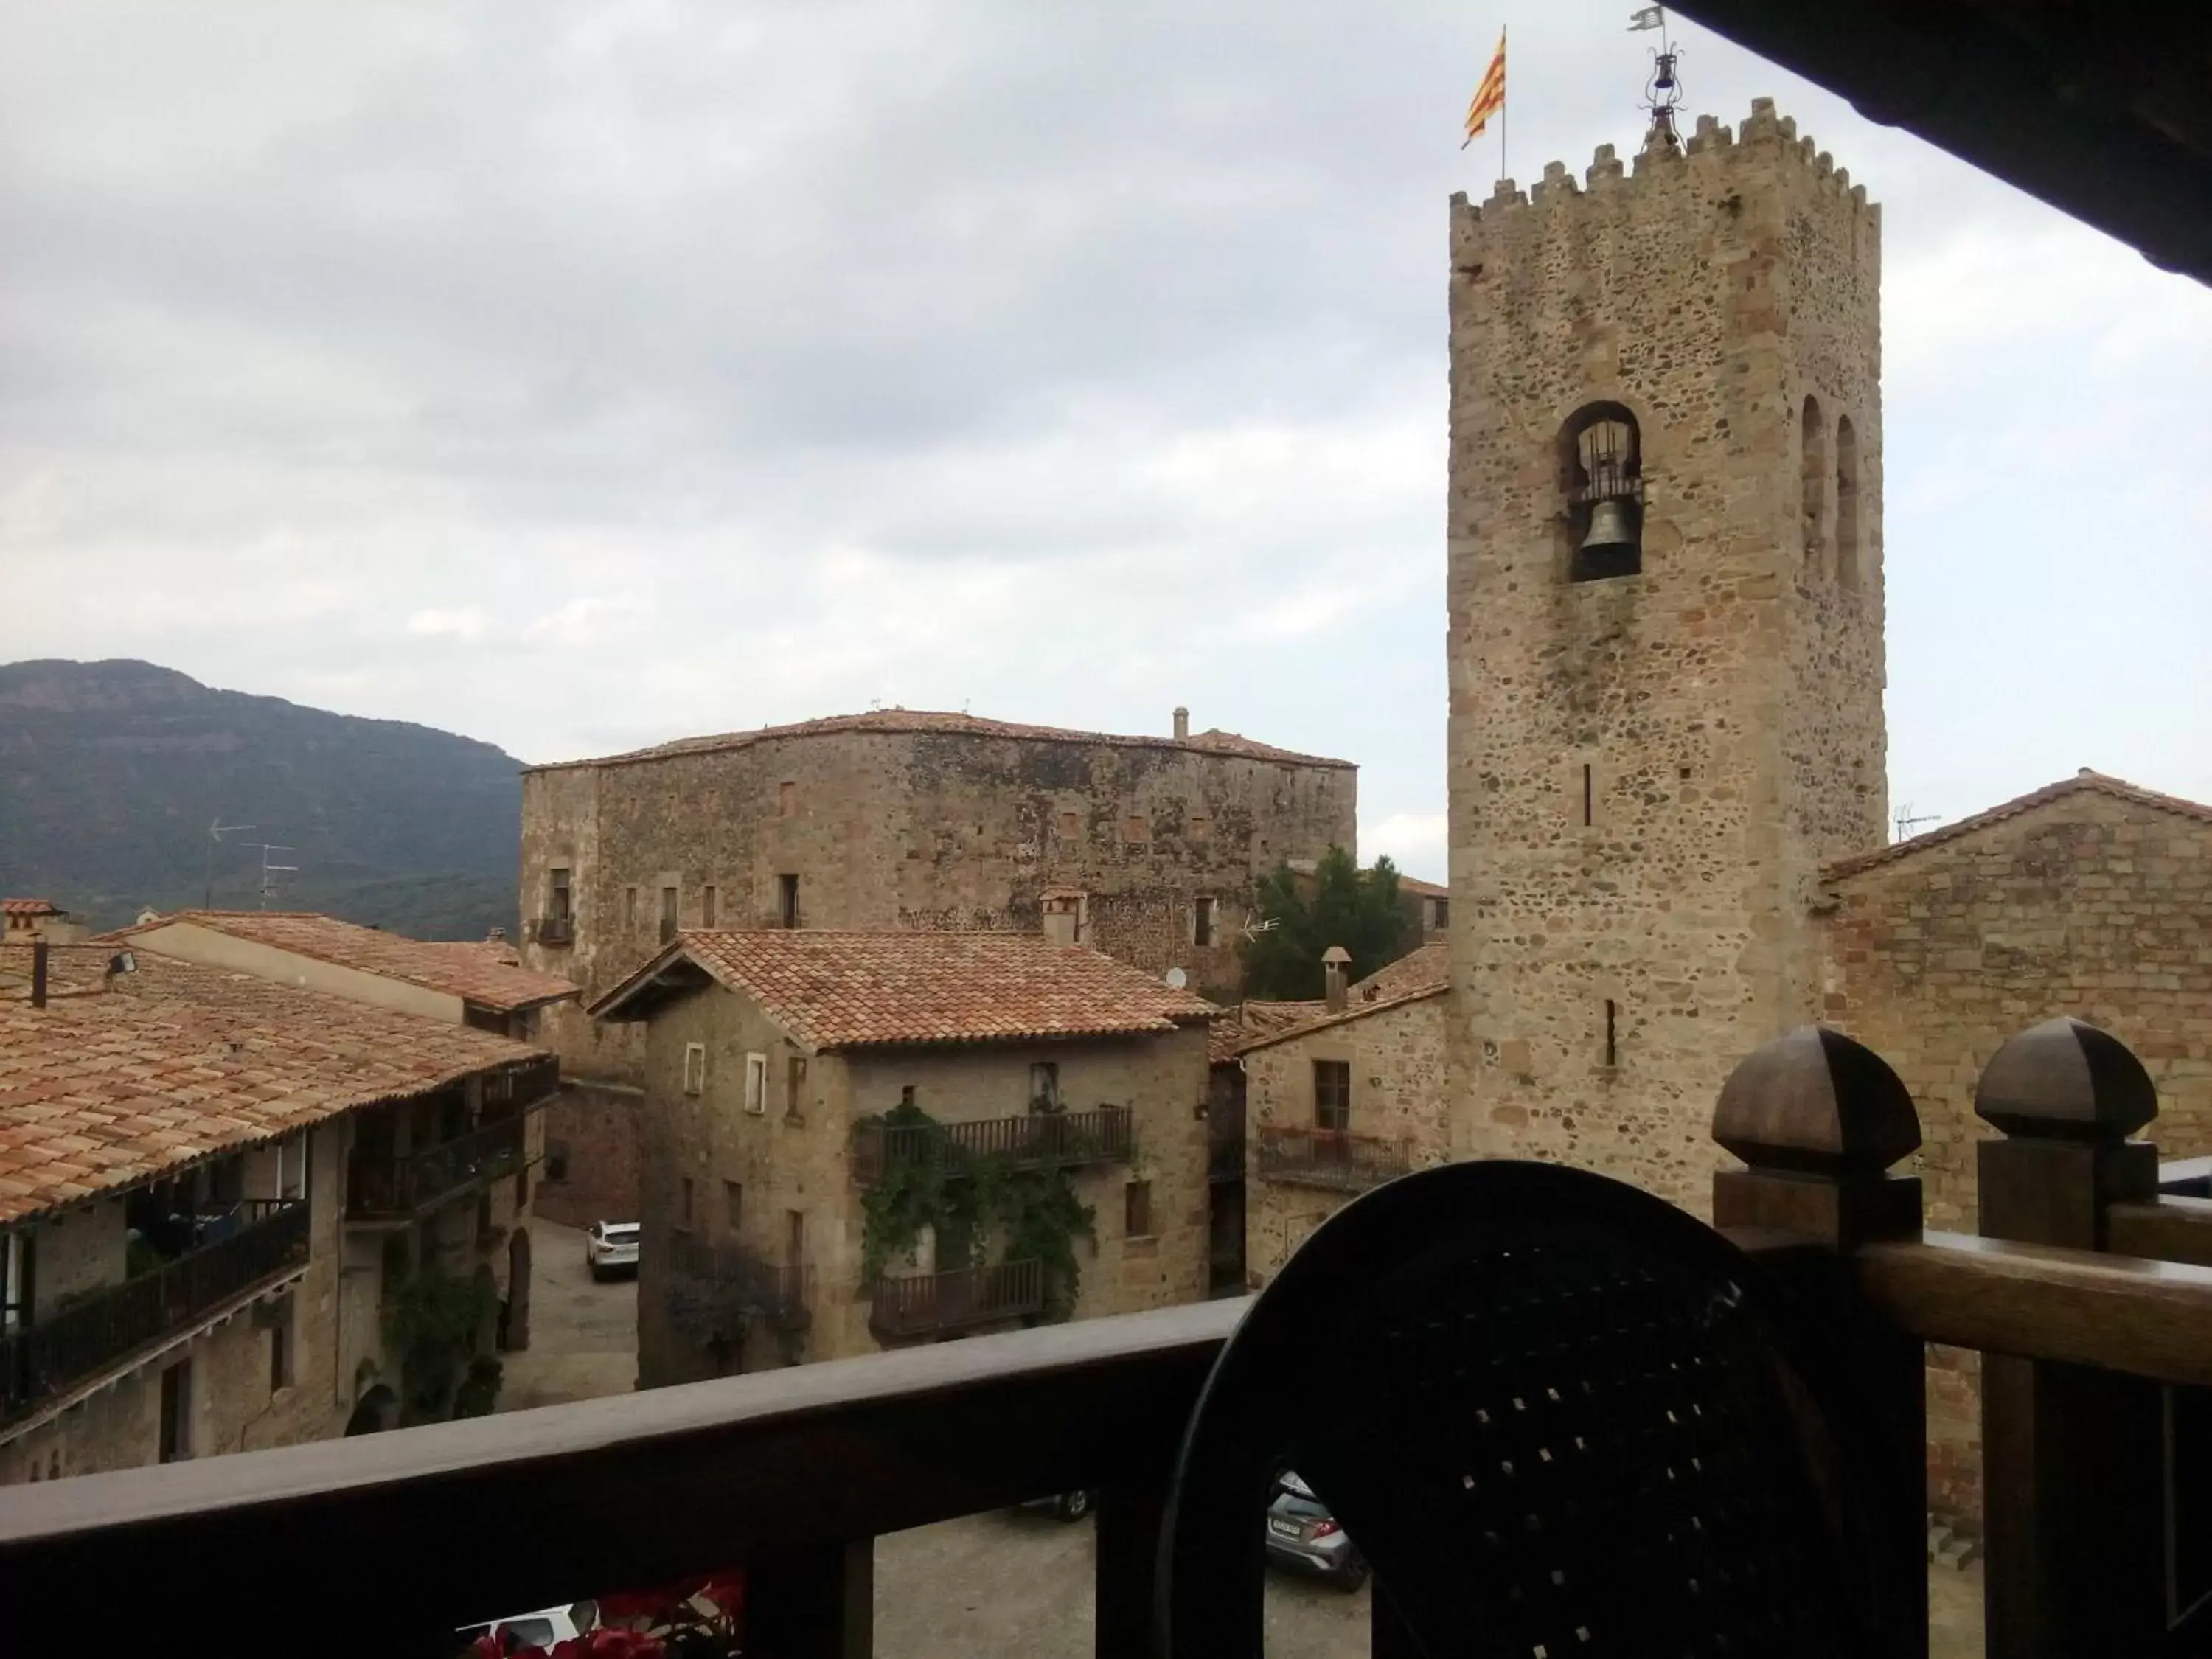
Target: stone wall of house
[(1726, 701), (590, 1173), (1397, 1057), (911, 830), (2086, 905), (784, 1161), (329, 1317)]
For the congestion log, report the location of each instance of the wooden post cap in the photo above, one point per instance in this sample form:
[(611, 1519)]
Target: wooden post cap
[(1817, 1101), (2066, 1079)]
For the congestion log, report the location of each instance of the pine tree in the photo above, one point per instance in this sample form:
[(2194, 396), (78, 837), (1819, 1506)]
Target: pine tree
[(1338, 904)]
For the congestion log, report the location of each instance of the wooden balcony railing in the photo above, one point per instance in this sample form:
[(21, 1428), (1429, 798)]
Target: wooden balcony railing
[(105, 1328), (381, 1189), (2094, 1365), (1345, 1162), (1102, 1136), (924, 1304), (711, 1280)]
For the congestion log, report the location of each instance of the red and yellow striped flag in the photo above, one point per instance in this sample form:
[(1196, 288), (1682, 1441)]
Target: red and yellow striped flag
[(1489, 97)]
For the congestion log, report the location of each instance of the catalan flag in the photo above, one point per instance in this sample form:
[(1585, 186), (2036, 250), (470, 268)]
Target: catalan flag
[(1489, 97)]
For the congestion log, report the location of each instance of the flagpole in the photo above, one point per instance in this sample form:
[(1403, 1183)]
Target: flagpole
[(1501, 107)]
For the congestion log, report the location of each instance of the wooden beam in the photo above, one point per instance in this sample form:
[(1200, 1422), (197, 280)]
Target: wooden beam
[(2149, 1319), (2164, 1229), (463, 1522)]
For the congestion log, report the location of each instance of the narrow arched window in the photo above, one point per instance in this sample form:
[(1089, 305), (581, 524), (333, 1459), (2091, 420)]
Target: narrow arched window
[(1601, 477), (1847, 505), (1813, 471)]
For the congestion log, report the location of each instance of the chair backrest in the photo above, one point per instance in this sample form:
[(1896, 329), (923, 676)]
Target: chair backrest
[(1560, 1418)]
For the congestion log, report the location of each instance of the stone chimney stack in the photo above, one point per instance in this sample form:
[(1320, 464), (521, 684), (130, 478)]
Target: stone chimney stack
[(38, 973), (1334, 961), (1181, 723)]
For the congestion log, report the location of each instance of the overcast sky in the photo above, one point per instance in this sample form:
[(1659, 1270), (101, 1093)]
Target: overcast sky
[(578, 376)]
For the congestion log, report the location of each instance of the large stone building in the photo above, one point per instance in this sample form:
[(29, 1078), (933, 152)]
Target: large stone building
[(897, 819), (212, 1186), (1665, 632), (798, 1082), (2091, 897)]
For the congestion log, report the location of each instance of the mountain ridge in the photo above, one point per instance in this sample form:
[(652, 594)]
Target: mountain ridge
[(111, 772)]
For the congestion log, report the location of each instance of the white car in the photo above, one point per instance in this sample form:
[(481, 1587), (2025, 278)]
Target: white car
[(610, 1248), (541, 1629)]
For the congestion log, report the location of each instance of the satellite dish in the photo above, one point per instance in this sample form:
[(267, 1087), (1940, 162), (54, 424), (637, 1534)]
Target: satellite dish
[(1177, 979)]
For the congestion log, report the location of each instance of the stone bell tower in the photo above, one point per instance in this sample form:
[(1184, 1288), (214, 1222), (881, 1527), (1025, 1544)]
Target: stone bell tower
[(1665, 632)]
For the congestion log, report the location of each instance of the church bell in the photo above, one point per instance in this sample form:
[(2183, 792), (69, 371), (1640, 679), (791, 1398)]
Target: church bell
[(1609, 529)]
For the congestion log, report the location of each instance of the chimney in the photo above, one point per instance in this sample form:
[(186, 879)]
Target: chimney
[(1334, 961), (1182, 723), (38, 973), (497, 936)]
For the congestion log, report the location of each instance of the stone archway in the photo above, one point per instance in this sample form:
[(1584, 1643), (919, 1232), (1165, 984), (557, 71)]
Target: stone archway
[(514, 1326)]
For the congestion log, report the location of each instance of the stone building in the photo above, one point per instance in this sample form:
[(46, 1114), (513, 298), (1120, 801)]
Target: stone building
[(1340, 1099), (212, 1186), (477, 982), (791, 1076), (1427, 905), (1665, 634), (2091, 897)]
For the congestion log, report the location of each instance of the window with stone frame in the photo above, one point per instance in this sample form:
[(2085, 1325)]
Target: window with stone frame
[(786, 901), (1137, 1210), (733, 1206), (560, 904), (709, 906), (668, 917), (694, 1068), (1201, 922), (1133, 828), (794, 1085), (1332, 1085)]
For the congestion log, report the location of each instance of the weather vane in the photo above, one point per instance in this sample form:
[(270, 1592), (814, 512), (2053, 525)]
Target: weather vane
[(1662, 89)]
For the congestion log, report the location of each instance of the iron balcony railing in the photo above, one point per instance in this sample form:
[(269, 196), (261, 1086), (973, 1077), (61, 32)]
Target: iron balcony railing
[(99, 1331), (925, 1304), (710, 1280), (1103, 1136), (1302, 1157), (383, 1186)]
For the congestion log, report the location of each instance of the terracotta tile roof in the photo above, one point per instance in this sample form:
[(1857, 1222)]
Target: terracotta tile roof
[(1426, 967), (922, 720), (2084, 780), (469, 969), (102, 1089), (1421, 889), (1356, 1010), (1240, 1027), (839, 990), (30, 907)]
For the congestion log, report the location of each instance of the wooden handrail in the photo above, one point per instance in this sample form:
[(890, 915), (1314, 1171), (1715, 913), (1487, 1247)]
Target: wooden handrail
[(570, 1500), (2149, 1319), (2164, 1229)]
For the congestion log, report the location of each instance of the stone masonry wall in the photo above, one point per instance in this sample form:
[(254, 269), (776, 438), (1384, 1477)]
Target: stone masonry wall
[(1726, 700), (785, 1162), (1398, 1093), (594, 1128), (2088, 905), (912, 830)]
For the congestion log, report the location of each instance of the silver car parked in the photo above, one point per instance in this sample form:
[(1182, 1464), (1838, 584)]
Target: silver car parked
[(1303, 1536)]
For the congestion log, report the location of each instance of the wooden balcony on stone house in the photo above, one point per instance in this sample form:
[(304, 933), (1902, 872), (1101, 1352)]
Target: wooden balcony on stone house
[(1030, 1139)]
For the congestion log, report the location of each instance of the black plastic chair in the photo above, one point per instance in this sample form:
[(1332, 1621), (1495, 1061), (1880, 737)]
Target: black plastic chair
[(1561, 1419)]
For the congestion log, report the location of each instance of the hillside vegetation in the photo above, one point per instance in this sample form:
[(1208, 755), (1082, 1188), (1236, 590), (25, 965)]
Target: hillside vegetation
[(111, 774)]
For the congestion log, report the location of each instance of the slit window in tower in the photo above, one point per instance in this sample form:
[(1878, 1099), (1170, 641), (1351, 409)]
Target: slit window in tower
[(1847, 506), (1589, 798), (1612, 1032)]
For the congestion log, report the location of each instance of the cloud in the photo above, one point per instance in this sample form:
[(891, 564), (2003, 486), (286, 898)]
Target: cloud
[(1417, 842), (755, 363), (468, 624)]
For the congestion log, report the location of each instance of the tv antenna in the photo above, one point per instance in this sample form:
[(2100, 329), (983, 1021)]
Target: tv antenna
[(269, 872), (216, 831), (1907, 822)]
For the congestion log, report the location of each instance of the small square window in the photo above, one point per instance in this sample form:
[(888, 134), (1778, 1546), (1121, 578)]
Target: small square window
[(695, 1067), (1071, 827), (1137, 1210), (1133, 827), (1198, 826)]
